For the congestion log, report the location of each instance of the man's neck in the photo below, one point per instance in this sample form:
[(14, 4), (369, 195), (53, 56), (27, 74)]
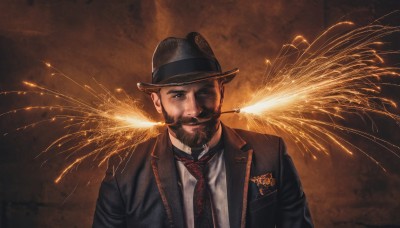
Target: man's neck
[(187, 149)]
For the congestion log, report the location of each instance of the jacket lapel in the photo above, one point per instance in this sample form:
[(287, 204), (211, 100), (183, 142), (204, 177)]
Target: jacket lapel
[(164, 169), (238, 162)]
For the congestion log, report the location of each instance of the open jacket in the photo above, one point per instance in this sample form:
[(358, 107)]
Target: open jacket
[(143, 191)]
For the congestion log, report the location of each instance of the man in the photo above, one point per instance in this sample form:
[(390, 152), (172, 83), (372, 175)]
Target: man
[(199, 172)]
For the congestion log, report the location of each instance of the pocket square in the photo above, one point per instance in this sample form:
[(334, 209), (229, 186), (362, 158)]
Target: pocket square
[(265, 183)]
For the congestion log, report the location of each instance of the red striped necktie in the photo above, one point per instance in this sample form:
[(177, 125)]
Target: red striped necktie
[(201, 198)]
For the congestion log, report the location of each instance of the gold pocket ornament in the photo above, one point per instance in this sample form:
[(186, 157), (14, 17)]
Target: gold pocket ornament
[(265, 183)]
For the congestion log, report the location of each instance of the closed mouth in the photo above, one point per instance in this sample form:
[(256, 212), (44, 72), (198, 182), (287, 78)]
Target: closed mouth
[(197, 122)]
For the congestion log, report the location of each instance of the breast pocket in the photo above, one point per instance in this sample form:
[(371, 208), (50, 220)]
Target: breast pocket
[(261, 212), (265, 201)]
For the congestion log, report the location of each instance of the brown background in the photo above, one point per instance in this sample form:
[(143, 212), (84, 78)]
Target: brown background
[(113, 41)]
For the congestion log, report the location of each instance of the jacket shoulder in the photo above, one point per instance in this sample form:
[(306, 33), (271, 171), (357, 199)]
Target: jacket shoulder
[(255, 138), (135, 158), (267, 151)]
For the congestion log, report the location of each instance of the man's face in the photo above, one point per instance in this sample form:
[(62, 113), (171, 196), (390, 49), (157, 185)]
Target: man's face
[(192, 111)]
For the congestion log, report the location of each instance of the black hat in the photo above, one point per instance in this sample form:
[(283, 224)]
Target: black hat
[(182, 61)]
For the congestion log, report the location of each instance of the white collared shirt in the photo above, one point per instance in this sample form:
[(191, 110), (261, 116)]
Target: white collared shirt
[(216, 182)]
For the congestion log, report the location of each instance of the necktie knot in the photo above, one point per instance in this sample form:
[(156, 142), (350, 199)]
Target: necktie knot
[(198, 167), (196, 153)]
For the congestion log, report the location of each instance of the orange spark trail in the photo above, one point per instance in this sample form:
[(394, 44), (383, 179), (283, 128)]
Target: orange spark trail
[(98, 124), (336, 75), (301, 98)]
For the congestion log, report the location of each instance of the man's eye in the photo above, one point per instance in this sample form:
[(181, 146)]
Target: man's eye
[(178, 95)]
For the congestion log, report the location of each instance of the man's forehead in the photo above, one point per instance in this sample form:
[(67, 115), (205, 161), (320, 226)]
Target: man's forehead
[(192, 86)]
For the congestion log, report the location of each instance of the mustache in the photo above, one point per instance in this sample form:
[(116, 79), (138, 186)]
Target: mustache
[(200, 119)]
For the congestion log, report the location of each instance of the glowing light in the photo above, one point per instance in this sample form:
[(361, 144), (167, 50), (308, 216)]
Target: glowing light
[(29, 84), (337, 75), (97, 123), (300, 99), (136, 122)]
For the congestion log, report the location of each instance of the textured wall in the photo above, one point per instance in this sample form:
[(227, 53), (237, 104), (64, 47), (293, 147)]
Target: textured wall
[(113, 42)]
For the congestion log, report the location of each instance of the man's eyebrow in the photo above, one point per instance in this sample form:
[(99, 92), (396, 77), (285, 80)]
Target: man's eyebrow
[(207, 86), (175, 91)]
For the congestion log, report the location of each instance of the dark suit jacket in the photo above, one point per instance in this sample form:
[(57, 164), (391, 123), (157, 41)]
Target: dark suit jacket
[(144, 190)]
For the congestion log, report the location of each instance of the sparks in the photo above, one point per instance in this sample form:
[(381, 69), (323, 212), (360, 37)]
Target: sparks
[(334, 76), (29, 84), (300, 99), (136, 122), (98, 122)]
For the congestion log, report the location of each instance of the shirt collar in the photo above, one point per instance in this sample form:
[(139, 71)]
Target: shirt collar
[(185, 148)]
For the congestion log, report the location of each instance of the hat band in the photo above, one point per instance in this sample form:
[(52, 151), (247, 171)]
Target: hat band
[(185, 66)]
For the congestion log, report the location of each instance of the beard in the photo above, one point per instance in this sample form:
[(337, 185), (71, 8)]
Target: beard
[(208, 118)]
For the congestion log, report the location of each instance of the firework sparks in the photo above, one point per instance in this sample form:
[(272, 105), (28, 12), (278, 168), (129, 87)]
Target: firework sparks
[(306, 88), (105, 125), (137, 122), (335, 76)]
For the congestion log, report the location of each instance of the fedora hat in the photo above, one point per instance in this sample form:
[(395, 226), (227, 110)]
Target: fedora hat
[(182, 61)]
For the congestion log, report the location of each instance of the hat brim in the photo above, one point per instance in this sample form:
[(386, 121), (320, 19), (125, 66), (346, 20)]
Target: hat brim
[(180, 80)]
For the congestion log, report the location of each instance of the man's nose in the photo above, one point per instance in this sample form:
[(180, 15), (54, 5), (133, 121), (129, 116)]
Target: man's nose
[(193, 108)]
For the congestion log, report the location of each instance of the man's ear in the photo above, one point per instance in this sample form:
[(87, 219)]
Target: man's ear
[(156, 101)]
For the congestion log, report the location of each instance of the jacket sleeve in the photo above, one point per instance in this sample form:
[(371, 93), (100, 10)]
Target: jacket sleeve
[(292, 208), (110, 208)]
